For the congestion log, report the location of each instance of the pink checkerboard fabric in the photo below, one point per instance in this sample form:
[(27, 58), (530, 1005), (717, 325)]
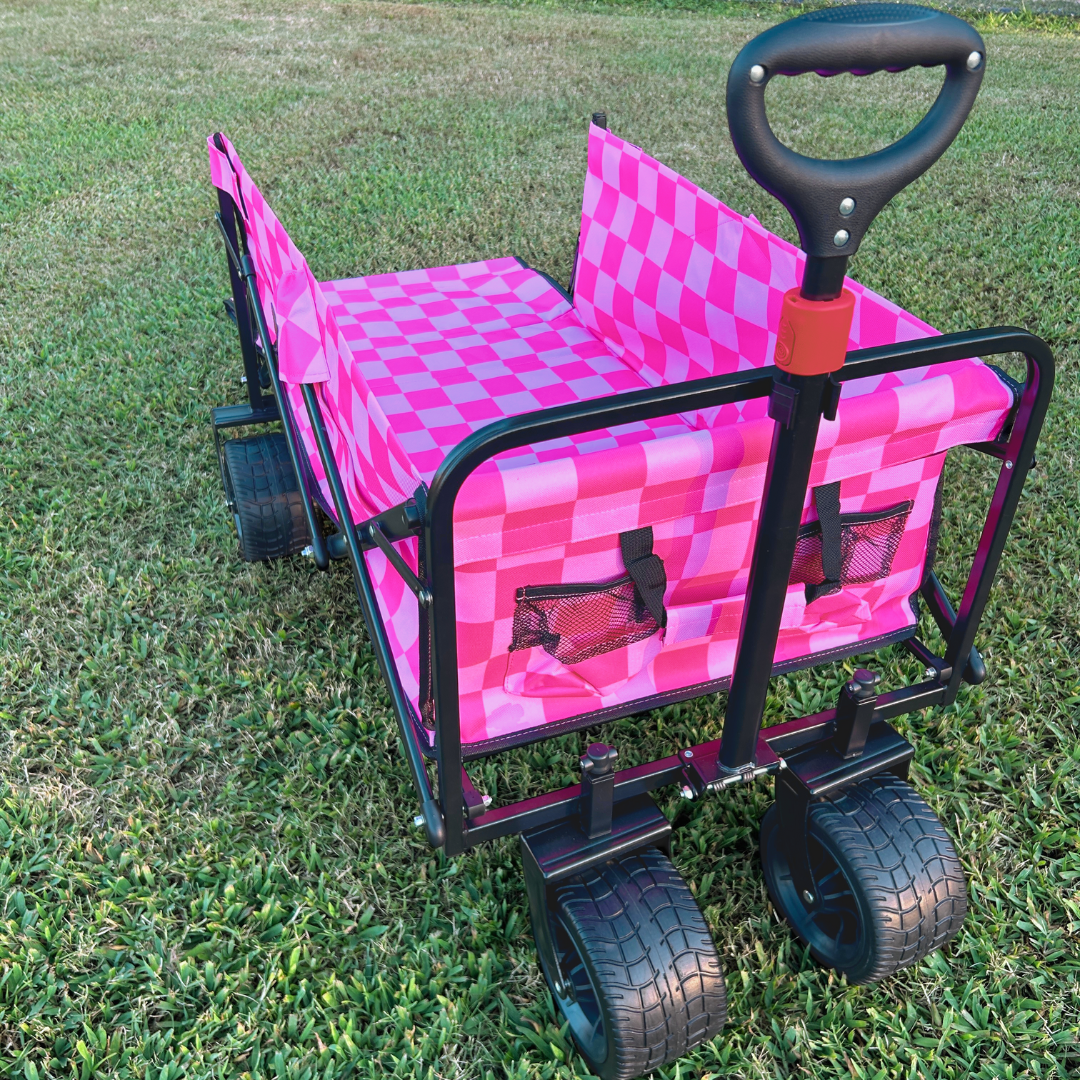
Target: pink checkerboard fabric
[(680, 286), (376, 471), (450, 349), (706, 551), (677, 286), (670, 285)]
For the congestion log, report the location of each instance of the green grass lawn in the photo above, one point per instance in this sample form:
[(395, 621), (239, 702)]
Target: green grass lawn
[(207, 859)]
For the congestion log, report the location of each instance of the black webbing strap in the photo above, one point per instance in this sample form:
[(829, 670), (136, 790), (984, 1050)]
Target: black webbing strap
[(827, 502), (646, 570)]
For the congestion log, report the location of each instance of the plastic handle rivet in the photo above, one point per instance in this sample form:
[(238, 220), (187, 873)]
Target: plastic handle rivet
[(841, 238), (808, 896), (847, 207), (974, 61), (1008, 464), (757, 74)]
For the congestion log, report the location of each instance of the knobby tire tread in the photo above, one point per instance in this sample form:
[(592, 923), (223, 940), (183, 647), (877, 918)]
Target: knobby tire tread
[(897, 856), (267, 497), (652, 953), (907, 866)]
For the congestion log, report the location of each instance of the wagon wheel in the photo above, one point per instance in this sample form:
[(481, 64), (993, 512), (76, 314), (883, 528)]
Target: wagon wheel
[(888, 886), (639, 979), (265, 497)]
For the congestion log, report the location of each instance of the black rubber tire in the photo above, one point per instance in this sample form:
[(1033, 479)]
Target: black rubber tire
[(265, 497), (895, 888), (646, 977)]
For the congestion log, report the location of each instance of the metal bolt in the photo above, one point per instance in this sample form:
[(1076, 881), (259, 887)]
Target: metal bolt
[(808, 896), (687, 791), (974, 61), (418, 821), (757, 74), (308, 552), (841, 238), (688, 753), (1008, 464), (847, 207), (487, 800)]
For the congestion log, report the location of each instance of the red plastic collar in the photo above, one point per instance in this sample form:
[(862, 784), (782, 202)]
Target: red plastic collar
[(812, 337)]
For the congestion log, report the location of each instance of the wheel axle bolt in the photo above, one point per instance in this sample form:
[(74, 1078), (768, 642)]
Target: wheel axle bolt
[(808, 896)]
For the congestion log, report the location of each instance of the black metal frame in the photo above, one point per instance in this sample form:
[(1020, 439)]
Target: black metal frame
[(810, 756)]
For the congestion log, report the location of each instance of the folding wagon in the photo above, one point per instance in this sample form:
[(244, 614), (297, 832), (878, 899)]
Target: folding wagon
[(713, 459)]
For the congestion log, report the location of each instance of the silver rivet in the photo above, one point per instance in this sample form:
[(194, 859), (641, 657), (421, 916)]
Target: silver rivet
[(687, 791), (847, 207), (1008, 464), (487, 800), (688, 753), (757, 74), (808, 896), (841, 238), (974, 61), (418, 821)]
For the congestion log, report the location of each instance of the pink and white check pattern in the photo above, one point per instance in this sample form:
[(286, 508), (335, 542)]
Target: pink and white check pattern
[(449, 350), (375, 470), (671, 285)]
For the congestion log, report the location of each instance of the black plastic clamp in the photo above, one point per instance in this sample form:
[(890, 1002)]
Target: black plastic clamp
[(855, 712), (597, 789)]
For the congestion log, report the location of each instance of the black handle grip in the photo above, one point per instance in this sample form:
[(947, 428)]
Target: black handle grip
[(834, 202)]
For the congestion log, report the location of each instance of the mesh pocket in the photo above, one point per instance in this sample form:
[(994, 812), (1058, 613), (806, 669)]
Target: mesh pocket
[(868, 544), (576, 622), (806, 566)]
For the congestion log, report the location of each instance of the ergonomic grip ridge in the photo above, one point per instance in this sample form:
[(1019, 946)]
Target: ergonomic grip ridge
[(834, 202)]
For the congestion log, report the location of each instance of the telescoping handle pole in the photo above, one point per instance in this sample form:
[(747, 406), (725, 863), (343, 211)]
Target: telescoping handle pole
[(833, 204)]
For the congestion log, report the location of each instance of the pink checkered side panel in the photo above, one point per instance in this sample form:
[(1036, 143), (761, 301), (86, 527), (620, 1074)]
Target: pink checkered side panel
[(707, 557), (270, 246), (376, 471), (611, 491), (450, 349), (681, 287), (397, 606)]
